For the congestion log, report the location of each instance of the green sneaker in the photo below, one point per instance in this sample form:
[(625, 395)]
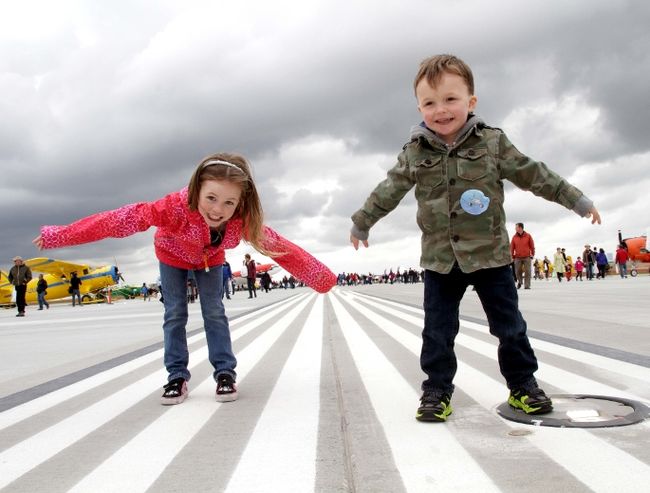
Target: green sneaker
[(530, 401), (433, 407)]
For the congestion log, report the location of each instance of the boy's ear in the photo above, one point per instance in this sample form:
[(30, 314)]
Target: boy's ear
[(472, 103)]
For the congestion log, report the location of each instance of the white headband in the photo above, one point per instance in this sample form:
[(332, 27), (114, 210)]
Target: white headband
[(225, 163)]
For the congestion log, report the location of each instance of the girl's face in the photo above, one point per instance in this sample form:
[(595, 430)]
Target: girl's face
[(218, 200)]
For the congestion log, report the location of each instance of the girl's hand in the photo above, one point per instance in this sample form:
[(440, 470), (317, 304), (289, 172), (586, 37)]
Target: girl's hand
[(38, 241), (593, 213)]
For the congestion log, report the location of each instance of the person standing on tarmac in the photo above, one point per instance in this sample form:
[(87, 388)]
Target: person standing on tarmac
[(41, 291), (227, 277), (19, 276), (75, 284), (251, 275), (522, 249)]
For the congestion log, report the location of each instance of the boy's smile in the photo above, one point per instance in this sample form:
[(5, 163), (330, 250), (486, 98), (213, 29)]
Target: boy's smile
[(445, 107)]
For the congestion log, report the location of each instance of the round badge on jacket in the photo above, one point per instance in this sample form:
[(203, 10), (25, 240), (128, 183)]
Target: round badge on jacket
[(474, 202)]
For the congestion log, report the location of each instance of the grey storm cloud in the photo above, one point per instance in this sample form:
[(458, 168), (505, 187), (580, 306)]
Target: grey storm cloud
[(113, 104)]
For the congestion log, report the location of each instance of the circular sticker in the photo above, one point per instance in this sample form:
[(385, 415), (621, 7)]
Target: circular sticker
[(474, 202)]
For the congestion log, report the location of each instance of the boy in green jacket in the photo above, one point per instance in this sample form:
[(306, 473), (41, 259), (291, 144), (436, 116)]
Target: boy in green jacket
[(457, 164)]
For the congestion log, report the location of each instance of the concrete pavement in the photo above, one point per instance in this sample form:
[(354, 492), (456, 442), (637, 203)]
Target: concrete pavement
[(328, 385)]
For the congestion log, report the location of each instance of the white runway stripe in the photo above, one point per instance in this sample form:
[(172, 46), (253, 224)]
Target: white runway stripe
[(40, 404), (136, 466), (455, 469), (569, 382), (291, 418), (586, 456), (26, 455)]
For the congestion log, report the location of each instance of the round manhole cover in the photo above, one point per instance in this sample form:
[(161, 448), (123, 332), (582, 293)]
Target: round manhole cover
[(582, 411)]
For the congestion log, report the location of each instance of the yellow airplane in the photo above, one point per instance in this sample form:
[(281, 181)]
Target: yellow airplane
[(58, 274)]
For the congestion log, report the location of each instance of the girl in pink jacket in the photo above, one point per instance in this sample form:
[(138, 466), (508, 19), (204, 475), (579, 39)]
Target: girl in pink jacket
[(218, 209)]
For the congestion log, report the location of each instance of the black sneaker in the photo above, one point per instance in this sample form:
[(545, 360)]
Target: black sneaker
[(433, 407), (175, 392), (226, 388), (531, 401)]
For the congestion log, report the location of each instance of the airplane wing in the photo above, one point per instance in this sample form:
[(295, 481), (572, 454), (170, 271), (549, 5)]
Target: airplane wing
[(55, 267)]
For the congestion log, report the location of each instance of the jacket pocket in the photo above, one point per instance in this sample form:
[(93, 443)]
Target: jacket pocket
[(472, 163), (428, 172)]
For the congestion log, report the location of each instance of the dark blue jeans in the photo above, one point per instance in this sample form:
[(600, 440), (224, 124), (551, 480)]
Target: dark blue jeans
[(215, 322), (496, 290)]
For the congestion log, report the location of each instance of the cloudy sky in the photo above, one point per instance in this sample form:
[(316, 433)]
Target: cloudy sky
[(109, 103)]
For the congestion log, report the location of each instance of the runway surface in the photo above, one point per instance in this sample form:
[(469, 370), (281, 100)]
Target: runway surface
[(328, 386)]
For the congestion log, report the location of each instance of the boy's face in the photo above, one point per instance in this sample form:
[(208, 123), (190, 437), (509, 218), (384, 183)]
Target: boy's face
[(445, 107)]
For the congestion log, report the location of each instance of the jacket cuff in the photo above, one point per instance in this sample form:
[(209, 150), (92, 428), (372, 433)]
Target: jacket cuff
[(359, 234), (583, 206)]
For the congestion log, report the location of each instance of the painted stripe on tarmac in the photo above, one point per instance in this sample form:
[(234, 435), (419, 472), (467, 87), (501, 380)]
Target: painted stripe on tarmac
[(24, 456), (586, 456), (290, 413), (456, 470), (136, 466)]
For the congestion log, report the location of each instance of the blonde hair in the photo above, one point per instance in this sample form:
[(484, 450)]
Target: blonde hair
[(233, 168), (433, 67)]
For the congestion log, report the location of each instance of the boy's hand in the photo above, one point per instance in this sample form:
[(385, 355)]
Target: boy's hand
[(38, 241), (355, 242), (593, 214)]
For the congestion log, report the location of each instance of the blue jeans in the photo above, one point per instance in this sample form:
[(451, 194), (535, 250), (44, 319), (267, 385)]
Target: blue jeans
[(622, 270), (496, 290), (41, 300), (76, 293), (217, 331)]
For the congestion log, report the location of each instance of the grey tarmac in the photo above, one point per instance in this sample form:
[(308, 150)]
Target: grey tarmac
[(328, 388)]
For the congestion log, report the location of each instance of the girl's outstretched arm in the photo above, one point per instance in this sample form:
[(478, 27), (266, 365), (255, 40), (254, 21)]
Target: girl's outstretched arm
[(117, 223), (301, 264)]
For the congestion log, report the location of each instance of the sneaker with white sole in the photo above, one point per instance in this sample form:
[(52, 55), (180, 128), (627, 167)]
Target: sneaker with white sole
[(226, 388), (175, 392)]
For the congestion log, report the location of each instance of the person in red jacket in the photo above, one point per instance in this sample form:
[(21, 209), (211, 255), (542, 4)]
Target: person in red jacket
[(522, 249), (621, 260), (218, 209)]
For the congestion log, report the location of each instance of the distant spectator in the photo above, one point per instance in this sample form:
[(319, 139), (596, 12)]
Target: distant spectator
[(568, 270), (144, 291), (522, 250), (251, 275), (601, 262), (547, 267), (580, 266), (227, 277), (41, 292), (266, 282), (589, 260), (19, 277), (75, 284), (621, 260), (559, 263)]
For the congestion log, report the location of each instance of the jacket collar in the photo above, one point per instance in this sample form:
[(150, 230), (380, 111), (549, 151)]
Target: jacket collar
[(472, 124)]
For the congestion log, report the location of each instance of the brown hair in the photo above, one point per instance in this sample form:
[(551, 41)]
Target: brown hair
[(235, 169), (433, 67)]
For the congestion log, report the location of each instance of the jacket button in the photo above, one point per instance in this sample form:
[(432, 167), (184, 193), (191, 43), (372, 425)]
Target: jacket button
[(456, 238), (452, 181), (470, 152), (453, 215), (427, 161)]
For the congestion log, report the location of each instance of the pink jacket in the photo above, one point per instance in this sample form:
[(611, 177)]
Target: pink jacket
[(183, 238)]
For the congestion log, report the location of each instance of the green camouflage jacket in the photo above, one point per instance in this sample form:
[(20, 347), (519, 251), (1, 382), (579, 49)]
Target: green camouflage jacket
[(459, 191)]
